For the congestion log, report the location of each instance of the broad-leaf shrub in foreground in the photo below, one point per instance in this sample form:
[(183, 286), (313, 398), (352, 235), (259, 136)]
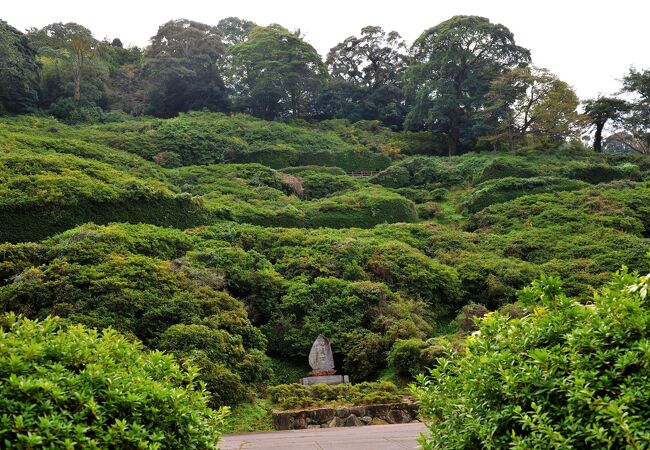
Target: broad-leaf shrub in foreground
[(73, 387), (566, 375)]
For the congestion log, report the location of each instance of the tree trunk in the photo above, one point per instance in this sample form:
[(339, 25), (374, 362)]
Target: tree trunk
[(77, 88), (453, 145), (598, 138)]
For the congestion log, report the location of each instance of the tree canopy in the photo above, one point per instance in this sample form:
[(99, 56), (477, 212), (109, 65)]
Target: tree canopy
[(276, 73), (366, 78), (452, 67), (18, 71), (185, 68)]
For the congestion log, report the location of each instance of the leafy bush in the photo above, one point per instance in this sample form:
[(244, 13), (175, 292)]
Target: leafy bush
[(290, 396), (405, 356), (362, 209), (117, 277), (469, 315), (566, 375), (600, 172), (504, 189), (72, 387), (42, 194)]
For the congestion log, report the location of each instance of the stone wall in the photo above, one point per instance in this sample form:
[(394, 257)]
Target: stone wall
[(353, 416)]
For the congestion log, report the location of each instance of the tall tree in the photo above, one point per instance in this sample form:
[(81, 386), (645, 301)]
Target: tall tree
[(67, 51), (599, 111), (374, 59), (184, 67), (276, 73), (531, 101), (637, 122), (19, 71), (235, 30), (126, 88), (452, 67), (366, 79)]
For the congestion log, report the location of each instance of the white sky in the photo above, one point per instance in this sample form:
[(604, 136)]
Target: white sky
[(589, 44)]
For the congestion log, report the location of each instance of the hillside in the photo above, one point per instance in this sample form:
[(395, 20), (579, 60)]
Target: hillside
[(197, 236)]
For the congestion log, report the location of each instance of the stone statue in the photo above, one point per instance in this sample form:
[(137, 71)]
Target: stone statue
[(321, 361), (320, 357)]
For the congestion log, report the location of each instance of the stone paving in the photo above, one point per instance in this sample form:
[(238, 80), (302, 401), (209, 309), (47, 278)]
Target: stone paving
[(379, 437)]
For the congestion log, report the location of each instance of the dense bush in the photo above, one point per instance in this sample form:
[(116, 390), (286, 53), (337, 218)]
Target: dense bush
[(406, 356), (73, 387), (340, 309), (291, 396), (256, 194), (566, 375), (508, 188), (363, 209), (100, 276), (42, 194), (601, 172)]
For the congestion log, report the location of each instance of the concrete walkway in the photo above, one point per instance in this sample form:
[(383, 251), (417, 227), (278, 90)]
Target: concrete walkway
[(375, 437)]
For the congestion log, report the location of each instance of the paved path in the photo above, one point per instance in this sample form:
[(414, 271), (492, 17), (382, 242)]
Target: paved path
[(375, 437)]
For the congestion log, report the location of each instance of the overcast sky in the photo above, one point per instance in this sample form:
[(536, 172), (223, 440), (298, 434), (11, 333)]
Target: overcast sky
[(589, 44)]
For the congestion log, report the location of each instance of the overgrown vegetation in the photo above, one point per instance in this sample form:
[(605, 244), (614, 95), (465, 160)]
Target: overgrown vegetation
[(66, 386), (566, 374), (272, 196), (292, 396)]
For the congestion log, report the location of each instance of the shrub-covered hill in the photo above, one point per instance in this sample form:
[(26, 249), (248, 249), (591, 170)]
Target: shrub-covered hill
[(227, 261), (365, 288), (253, 193), (92, 181), (199, 138)]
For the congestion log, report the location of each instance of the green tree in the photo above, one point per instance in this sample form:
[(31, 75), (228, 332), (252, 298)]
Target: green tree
[(184, 67), (366, 78), (235, 30), (601, 110), (126, 88), (275, 73), (451, 70), (19, 71), (530, 100), (374, 59), (69, 56), (637, 122)]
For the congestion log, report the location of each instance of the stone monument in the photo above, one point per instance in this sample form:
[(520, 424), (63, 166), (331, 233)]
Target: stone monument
[(321, 361)]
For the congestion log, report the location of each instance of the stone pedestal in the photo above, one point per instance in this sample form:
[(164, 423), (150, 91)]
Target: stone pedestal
[(325, 379)]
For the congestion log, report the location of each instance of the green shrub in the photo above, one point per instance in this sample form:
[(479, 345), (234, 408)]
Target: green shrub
[(96, 277), (407, 269), (509, 188), (395, 176), (318, 185), (299, 170), (405, 356), (43, 194), (601, 173), (566, 375), (72, 387), (503, 168), (362, 209), (291, 396), (364, 355), (469, 315)]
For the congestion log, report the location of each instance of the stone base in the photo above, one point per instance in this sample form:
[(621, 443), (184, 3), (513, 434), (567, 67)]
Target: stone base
[(346, 416), (327, 379)]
